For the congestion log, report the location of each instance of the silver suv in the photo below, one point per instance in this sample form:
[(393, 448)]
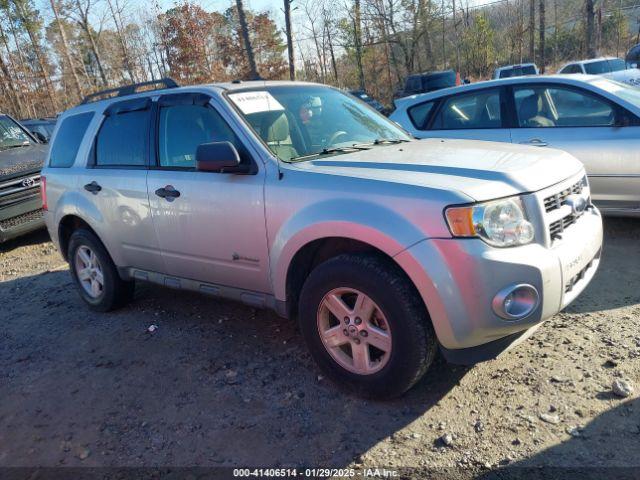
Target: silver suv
[(302, 199)]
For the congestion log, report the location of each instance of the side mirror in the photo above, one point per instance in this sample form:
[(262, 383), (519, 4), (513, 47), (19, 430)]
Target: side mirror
[(221, 157), (40, 137)]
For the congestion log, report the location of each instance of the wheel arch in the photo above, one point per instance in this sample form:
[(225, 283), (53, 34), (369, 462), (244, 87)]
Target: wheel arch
[(319, 250)]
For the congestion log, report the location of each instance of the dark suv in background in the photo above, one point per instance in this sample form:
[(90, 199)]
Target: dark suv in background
[(21, 159), (41, 128)]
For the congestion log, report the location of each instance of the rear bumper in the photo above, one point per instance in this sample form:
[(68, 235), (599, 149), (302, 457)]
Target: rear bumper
[(21, 218), (459, 279)]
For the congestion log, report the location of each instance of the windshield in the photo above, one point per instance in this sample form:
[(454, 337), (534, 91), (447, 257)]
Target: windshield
[(626, 92), (605, 66), (11, 135), (298, 121)]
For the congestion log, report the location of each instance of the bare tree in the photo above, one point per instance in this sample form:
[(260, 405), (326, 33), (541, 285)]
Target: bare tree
[(65, 49), (589, 31), (244, 30), (542, 35), (287, 22), (532, 30)]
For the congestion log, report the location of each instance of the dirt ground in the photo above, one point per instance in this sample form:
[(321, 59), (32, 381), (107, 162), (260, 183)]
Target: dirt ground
[(222, 384)]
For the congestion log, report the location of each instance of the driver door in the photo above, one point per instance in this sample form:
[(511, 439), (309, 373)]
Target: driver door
[(213, 229)]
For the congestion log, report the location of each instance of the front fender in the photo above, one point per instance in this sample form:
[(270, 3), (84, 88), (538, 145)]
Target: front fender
[(367, 222)]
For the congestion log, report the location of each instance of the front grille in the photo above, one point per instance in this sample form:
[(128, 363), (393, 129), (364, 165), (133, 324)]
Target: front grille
[(577, 277), (559, 226), (18, 220), (553, 202), (19, 189)]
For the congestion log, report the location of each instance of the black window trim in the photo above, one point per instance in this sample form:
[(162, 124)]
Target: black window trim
[(427, 119), (618, 109), (117, 108), (188, 98), (442, 100)]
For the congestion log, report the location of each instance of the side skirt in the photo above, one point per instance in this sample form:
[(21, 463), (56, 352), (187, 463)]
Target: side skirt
[(248, 297)]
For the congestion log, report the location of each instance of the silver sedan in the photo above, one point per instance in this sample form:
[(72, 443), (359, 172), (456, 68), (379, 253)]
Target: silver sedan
[(595, 119)]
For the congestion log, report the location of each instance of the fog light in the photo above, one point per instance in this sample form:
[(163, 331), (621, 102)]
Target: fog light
[(516, 301)]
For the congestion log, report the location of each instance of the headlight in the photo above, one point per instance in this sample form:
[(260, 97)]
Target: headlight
[(501, 223)]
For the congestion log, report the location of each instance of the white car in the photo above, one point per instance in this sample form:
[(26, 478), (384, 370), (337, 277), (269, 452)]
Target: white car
[(595, 119), (608, 67)]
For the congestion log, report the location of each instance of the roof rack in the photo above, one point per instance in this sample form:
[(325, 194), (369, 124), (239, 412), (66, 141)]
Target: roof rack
[(129, 90)]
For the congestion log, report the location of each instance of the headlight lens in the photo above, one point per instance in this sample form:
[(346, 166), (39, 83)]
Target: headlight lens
[(501, 223)]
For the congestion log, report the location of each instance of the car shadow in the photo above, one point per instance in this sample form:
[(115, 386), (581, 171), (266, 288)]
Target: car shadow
[(215, 383), (615, 284), (607, 447), (33, 238)]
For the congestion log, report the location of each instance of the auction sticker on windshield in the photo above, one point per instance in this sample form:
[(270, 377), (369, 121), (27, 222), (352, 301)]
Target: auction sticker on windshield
[(255, 102)]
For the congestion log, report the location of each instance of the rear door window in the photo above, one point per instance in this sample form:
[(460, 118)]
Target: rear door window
[(477, 110), (67, 142), (123, 139)]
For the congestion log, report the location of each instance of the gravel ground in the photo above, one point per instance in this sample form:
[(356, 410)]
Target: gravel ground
[(219, 383)]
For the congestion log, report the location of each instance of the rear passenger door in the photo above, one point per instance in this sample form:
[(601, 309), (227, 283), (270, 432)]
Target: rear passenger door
[(214, 231), (114, 185), (477, 115)]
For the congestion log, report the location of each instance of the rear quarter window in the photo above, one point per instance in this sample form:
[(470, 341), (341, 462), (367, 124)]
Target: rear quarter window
[(67, 141), (419, 114)]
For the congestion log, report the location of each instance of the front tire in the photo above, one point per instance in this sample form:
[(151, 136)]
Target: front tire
[(95, 274), (366, 326)]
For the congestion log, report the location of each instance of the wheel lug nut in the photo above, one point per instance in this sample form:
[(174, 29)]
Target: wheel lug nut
[(346, 320), (356, 341), (346, 332), (364, 333), (358, 320)]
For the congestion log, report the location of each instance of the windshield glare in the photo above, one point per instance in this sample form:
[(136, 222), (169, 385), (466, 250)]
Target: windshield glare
[(11, 135), (302, 121)]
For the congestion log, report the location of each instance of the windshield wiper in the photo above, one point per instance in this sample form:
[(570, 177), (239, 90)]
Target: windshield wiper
[(381, 141), (18, 145), (328, 151)]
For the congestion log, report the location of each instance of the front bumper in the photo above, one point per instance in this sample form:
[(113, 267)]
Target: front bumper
[(458, 279), (21, 218)]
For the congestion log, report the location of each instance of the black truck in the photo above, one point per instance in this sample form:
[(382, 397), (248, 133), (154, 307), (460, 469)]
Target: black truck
[(21, 159)]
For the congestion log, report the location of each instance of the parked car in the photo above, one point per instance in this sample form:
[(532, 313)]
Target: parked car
[(632, 59), (595, 119), (608, 67), (21, 158), (41, 128), (369, 100), (509, 71), (296, 197), (428, 82)]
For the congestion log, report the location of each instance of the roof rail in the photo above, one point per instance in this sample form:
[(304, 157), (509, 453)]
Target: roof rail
[(129, 90)]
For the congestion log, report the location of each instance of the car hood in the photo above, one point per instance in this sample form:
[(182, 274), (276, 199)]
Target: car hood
[(480, 170), (630, 76), (21, 160)]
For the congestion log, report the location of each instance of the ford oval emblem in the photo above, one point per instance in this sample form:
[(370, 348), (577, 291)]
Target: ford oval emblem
[(577, 203)]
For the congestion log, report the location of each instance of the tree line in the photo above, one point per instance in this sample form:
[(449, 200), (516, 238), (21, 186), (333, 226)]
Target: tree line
[(50, 58)]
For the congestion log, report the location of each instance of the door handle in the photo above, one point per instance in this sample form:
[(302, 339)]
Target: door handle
[(168, 192), (535, 142), (93, 187)]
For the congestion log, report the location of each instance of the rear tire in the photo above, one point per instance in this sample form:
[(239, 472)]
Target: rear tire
[(351, 286), (95, 274)]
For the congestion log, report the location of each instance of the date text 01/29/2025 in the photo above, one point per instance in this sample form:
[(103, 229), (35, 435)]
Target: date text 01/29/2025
[(314, 473)]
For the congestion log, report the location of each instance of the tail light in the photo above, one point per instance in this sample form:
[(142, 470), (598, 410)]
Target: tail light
[(43, 192)]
